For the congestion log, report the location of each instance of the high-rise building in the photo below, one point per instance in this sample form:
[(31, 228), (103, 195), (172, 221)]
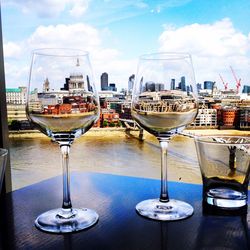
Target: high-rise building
[(150, 86), (208, 84), (198, 85), (159, 86), (131, 81), (183, 83), (142, 88), (172, 84), (246, 89), (112, 87), (104, 81)]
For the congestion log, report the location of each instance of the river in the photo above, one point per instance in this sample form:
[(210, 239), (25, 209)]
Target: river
[(35, 158)]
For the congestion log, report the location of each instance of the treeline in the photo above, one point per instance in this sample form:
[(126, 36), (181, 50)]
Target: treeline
[(20, 125)]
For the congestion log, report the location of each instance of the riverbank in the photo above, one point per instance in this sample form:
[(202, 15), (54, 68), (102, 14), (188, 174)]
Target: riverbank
[(104, 131), (37, 133)]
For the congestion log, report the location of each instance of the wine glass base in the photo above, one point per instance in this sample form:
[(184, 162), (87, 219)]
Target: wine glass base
[(52, 221), (164, 211)]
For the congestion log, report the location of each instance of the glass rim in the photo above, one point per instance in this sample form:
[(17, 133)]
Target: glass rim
[(238, 140), (3, 152), (165, 56), (51, 52)]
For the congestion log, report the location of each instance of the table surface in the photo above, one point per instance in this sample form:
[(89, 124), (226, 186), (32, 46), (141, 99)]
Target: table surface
[(119, 226)]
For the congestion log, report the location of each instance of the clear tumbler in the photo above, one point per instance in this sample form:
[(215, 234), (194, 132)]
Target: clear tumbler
[(225, 165)]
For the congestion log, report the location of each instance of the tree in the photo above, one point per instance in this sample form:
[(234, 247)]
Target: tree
[(111, 124), (105, 123)]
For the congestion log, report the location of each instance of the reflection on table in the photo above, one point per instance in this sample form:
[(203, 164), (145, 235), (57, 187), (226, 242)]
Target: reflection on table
[(119, 227)]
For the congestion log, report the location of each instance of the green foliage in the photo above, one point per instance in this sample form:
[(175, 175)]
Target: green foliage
[(105, 123), (111, 124)]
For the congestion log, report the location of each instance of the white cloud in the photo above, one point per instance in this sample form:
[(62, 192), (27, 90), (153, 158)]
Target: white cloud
[(12, 50), (214, 48), (76, 35), (16, 74), (16, 64), (79, 8), (80, 36)]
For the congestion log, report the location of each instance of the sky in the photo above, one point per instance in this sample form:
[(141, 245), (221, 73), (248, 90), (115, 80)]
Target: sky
[(215, 32)]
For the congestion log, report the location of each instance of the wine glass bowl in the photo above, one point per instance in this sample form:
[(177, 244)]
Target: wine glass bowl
[(63, 104), (164, 101)]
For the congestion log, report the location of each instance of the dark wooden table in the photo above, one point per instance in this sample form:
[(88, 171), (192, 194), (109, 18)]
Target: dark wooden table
[(119, 227)]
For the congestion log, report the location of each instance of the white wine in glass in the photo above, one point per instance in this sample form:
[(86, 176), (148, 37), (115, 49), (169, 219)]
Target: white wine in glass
[(164, 101), (63, 104)]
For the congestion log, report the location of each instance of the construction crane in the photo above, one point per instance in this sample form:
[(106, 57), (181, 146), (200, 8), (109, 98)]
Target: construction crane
[(224, 83), (236, 80)]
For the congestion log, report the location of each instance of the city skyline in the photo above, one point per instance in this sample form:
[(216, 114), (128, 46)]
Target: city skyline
[(116, 33), (105, 85)]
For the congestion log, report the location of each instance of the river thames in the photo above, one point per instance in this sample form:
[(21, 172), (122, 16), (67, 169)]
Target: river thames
[(35, 158)]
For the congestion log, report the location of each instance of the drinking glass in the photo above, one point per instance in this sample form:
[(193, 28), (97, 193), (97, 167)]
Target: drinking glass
[(63, 104), (164, 101), (225, 167)]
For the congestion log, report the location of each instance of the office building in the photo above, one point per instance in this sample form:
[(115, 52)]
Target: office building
[(230, 117), (131, 81), (198, 85), (150, 86), (172, 84), (16, 95), (246, 89), (104, 81), (208, 85), (159, 86), (206, 118), (244, 117), (112, 87), (183, 83)]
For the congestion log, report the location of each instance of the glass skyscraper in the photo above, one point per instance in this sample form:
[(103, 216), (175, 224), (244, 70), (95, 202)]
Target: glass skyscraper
[(104, 81)]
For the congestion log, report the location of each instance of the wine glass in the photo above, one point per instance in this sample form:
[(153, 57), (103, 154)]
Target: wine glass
[(63, 104), (164, 101)]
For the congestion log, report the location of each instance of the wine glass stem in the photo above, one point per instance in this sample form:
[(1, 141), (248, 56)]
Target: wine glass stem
[(164, 142), (66, 176)]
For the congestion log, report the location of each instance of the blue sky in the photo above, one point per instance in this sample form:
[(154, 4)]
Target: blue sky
[(215, 32)]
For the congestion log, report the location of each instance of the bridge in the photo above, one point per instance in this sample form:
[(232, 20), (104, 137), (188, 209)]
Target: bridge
[(132, 125)]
